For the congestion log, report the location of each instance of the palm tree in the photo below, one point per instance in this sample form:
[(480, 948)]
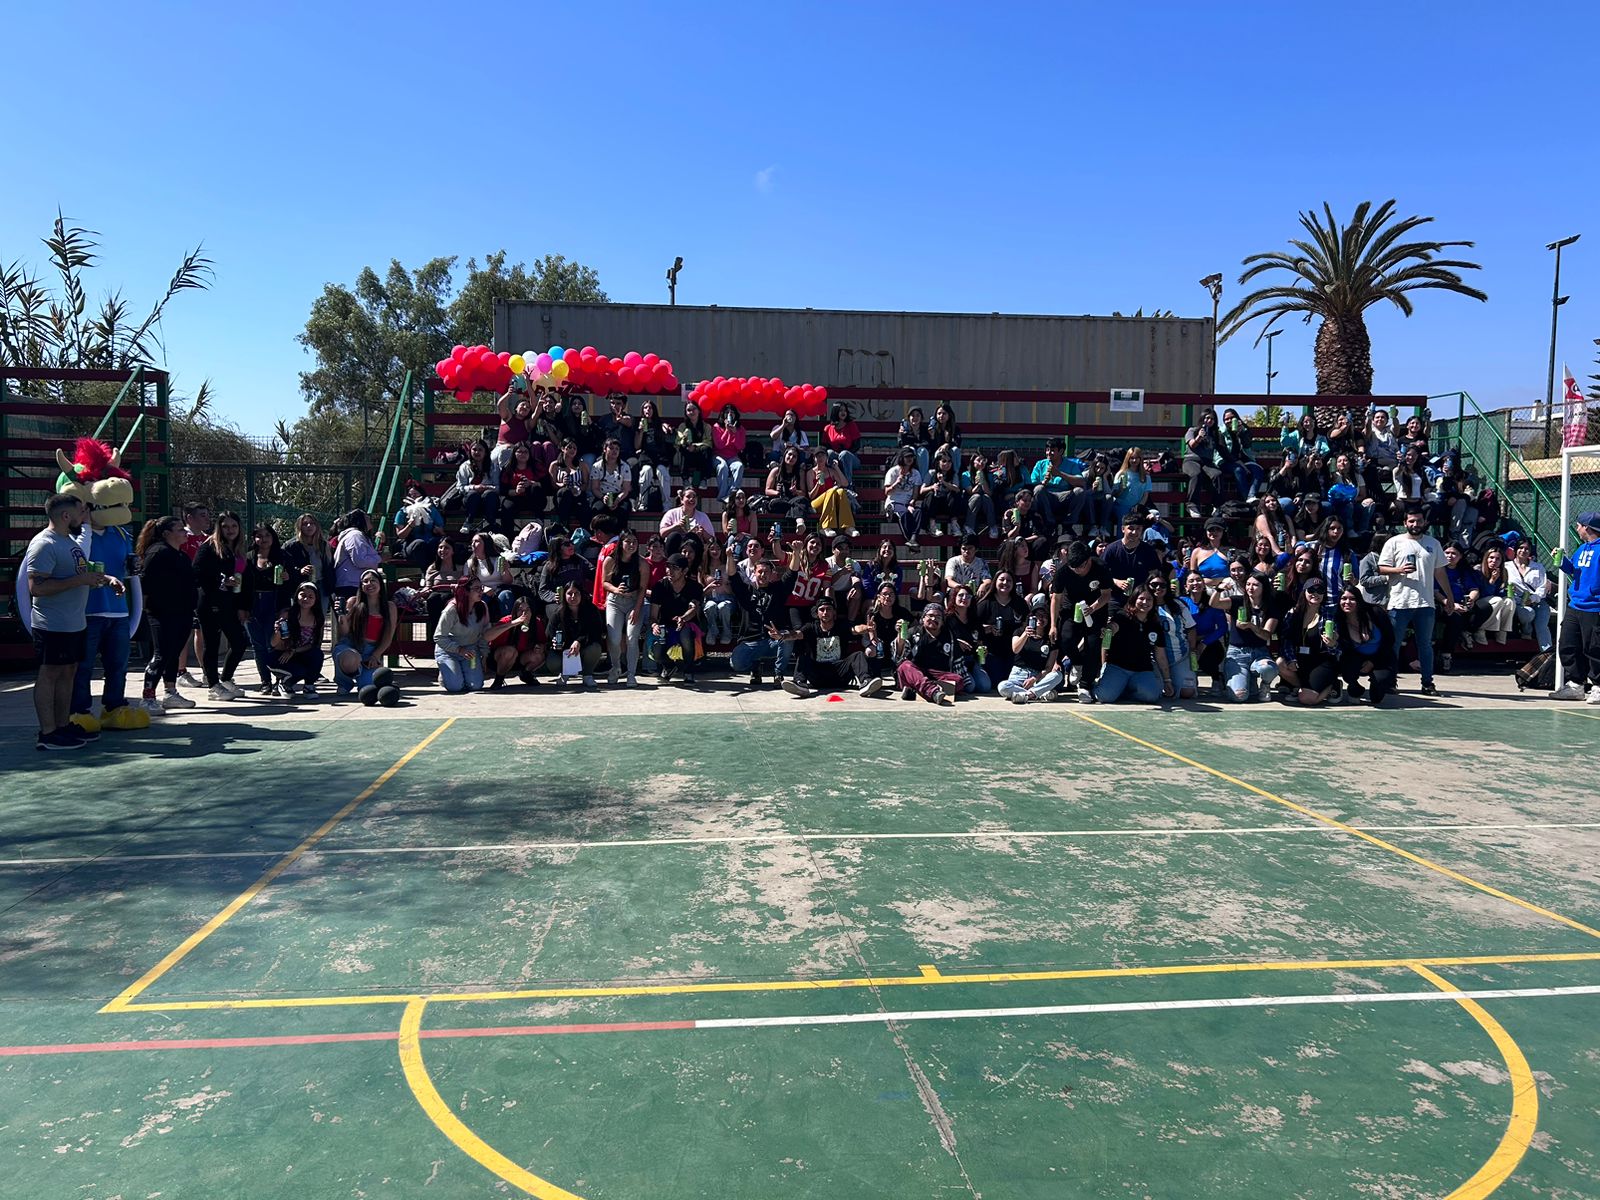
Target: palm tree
[(1340, 273)]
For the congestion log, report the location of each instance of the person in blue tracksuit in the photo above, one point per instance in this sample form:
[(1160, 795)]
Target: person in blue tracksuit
[(1579, 643)]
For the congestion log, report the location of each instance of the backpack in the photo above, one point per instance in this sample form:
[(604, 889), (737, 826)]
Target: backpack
[(1539, 672)]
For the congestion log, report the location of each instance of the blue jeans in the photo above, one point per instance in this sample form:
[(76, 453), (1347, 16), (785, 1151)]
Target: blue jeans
[(848, 463), (1537, 617), (456, 675), (347, 683), (481, 506), (748, 655), (263, 612), (730, 476), (1116, 682), (1248, 671), (719, 618), (1420, 622), (978, 681), (1042, 690), (107, 639), (1248, 478)]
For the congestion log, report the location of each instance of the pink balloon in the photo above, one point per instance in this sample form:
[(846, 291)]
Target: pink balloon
[(651, 360), (544, 362), (631, 359)]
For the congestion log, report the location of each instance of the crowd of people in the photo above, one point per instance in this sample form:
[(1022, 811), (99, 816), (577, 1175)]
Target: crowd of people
[(1353, 560)]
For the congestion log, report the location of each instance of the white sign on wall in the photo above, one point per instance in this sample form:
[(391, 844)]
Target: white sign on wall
[(1127, 400)]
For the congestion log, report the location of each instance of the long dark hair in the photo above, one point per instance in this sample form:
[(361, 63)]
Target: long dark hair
[(356, 611), (1363, 609), (274, 543), (223, 550), (478, 466), (292, 614)]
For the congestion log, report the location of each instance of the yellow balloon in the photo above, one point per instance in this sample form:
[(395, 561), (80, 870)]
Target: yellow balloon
[(559, 369), (516, 364)]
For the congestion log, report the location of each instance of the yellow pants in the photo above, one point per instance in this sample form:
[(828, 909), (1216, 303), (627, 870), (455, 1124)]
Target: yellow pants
[(833, 509)]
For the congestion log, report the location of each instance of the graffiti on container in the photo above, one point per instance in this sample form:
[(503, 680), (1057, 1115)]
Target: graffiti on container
[(867, 369)]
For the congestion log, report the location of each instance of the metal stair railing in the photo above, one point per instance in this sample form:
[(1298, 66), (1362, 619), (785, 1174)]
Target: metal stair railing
[(1498, 469)]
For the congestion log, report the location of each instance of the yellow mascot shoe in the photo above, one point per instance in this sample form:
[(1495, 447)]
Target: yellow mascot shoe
[(126, 717), (87, 722)]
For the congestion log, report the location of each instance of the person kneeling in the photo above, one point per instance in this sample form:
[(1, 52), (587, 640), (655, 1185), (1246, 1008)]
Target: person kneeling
[(296, 652), (1036, 665), (823, 663), (461, 642), (1135, 663)]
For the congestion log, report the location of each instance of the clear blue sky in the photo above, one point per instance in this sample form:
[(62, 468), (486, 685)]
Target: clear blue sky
[(1050, 158)]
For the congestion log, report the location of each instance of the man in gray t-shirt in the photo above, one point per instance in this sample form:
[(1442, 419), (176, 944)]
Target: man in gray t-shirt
[(58, 576)]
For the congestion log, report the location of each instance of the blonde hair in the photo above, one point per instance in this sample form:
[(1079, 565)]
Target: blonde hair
[(1133, 463)]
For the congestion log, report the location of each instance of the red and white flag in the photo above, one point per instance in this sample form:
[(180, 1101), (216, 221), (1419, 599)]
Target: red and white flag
[(1575, 419)]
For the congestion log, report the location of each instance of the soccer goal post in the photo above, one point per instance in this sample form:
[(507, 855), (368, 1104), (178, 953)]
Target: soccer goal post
[(1580, 493)]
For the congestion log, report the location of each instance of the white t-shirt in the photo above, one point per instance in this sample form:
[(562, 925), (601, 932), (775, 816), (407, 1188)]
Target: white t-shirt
[(1415, 588), (611, 479)]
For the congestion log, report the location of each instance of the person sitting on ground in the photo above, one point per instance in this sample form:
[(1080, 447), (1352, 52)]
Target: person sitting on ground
[(827, 659), (461, 643), (764, 600), (1366, 646), (1134, 660), (961, 620), (929, 660), (517, 643), (296, 647), (366, 630), (1250, 669), (1209, 643), (1000, 613), (1035, 671), (882, 625), (1177, 634), (674, 617), (1080, 600), (1308, 658), (577, 635)]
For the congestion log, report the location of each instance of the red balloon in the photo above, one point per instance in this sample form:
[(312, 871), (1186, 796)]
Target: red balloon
[(463, 394), (625, 378), (588, 352), (504, 357), (572, 358), (458, 352), (651, 360), (631, 359), (822, 395), (670, 383)]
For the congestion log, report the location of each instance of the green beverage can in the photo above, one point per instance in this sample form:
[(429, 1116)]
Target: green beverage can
[(277, 575), (1347, 572), (1105, 639), (983, 655), (1080, 613), (905, 630), (96, 568), (1329, 631)]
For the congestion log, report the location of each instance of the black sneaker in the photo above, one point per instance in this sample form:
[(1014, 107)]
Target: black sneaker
[(1356, 692), (755, 678), (908, 693), (58, 740), (1429, 690), (78, 733)]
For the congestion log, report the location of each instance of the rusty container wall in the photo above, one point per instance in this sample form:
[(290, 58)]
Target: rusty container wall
[(887, 350)]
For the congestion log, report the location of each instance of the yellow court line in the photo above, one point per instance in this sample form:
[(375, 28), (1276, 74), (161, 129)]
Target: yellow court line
[(451, 1126), (123, 1003), (1350, 829), (1524, 1099), (929, 977)]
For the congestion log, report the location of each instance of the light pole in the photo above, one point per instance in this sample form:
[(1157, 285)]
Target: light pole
[(1213, 284), (1556, 301), (1271, 374), (672, 279)]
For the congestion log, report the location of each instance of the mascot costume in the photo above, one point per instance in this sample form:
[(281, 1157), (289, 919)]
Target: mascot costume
[(95, 476)]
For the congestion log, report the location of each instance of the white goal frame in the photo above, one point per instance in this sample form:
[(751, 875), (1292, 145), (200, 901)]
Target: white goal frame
[(1568, 453)]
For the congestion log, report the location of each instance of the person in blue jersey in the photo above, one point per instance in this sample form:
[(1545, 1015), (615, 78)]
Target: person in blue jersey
[(1579, 642)]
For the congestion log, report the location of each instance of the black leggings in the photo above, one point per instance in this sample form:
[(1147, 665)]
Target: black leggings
[(167, 636), (214, 625)]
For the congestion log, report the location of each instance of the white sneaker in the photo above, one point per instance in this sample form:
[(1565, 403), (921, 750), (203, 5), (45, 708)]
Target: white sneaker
[(188, 680), (1594, 695), (1085, 695), (174, 700), (153, 707), (871, 687), (1568, 691), (219, 693), (235, 692)]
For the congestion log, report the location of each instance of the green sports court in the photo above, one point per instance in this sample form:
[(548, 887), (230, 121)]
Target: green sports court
[(747, 946)]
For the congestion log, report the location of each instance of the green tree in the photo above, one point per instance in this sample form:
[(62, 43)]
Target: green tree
[(53, 326), (365, 338), (1268, 416), (1339, 273)]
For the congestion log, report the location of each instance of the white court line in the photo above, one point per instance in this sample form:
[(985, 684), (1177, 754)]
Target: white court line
[(777, 838), (1055, 1010)]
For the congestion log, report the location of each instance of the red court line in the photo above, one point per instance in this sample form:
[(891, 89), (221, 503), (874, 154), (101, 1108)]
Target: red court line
[(322, 1039)]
